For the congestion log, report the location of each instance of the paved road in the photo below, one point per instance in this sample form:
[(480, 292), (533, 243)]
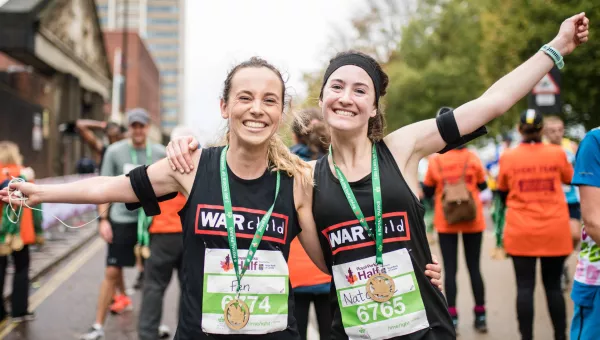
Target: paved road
[(65, 301)]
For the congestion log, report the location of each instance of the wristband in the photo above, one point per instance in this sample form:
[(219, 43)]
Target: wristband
[(554, 54)]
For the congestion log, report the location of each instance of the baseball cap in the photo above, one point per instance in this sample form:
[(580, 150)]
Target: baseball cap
[(532, 117), (138, 115)]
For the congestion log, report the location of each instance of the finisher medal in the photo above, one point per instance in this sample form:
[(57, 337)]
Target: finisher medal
[(381, 287), (236, 314)]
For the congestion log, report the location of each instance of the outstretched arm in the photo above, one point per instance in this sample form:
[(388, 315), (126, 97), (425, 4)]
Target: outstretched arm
[(424, 138), (96, 190)]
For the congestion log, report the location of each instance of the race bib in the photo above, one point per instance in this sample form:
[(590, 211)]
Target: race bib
[(264, 288), (364, 318)]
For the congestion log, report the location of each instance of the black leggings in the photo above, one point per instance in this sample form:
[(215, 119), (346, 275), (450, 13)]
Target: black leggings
[(302, 301), (472, 245), (525, 272)]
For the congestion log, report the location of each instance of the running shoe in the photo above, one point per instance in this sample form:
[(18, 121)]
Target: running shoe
[(164, 332), (122, 303), (480, 323), (94, 333), (26, 317)]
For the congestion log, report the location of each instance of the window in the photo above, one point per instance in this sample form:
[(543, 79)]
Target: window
[(169, 85), (162, 21), (167, 9), (162, 34), (168, 72), (103, 21), (169, 112), (102, 8), (169, 98), (167, 59), (160, 47)]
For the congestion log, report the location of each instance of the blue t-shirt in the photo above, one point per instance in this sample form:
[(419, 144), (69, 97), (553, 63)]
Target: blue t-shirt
[(571, 191), (587, 172)]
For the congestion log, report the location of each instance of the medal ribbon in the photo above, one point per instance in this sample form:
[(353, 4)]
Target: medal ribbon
[(377, 202), (143, 221), (260, 230)]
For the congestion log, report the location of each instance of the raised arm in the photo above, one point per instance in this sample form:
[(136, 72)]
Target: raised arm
[(85, 127), (423, 138)]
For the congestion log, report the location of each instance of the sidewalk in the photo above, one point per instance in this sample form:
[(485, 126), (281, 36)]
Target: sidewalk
[(60, 243)]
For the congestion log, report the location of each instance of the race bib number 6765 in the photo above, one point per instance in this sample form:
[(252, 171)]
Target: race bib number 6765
[(364, 318)]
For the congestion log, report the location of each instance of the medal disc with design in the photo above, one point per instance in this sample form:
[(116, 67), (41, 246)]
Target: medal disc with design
[(16, 243), (136, 250), (236, 314), (145, 252), (381, 287)]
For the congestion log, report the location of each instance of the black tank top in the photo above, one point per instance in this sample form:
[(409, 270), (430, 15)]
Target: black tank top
[(204, 226), (400, 207)]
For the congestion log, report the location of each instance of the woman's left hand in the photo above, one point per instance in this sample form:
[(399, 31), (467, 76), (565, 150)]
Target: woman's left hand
[(434, 271), (573, 32)]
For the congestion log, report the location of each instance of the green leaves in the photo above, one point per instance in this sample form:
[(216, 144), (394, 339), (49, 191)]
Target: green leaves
[(451, 51)]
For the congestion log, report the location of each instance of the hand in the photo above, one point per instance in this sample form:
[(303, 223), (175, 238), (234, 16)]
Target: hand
[(434, 271), (179, 153), (105, 230), (572, 33), (27, 190)]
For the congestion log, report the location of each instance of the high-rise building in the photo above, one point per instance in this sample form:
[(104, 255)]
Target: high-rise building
[(160, 23)]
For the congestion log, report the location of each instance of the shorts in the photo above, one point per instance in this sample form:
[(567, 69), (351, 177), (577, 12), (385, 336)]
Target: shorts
[(587, 312), (120, 251), (575, 211)]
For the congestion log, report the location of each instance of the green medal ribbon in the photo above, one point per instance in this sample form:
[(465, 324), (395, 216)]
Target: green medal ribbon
[(377, 202), (260, 230), (143, 221)]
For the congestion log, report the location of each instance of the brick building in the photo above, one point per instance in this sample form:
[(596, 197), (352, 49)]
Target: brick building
[(143, 77)]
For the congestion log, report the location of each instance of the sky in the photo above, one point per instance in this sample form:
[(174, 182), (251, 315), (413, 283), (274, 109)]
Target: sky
[(293, 35)]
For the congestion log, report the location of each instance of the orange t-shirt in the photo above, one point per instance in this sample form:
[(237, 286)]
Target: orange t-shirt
[(168, 221), (453, 164), (537, 216), (27, 230), (303, 272)]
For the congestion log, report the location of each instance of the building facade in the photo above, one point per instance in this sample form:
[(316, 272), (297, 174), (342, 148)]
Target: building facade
[(160, 23), (142, 88)]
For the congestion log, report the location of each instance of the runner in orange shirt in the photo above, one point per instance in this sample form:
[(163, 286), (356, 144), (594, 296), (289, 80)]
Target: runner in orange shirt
[(537, 220), (451, 167)]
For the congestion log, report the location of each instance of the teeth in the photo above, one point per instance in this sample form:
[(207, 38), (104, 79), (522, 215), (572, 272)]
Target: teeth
[(254, 124), (345, 113)]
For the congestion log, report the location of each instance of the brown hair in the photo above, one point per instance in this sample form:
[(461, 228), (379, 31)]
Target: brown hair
[(376, 127), (279, 156), (319, 139)]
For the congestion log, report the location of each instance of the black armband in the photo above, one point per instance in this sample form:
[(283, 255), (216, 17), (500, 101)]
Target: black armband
[(451, 135), (142, 188)]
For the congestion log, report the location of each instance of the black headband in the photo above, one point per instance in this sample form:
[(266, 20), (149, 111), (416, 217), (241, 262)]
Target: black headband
[(356, 60)]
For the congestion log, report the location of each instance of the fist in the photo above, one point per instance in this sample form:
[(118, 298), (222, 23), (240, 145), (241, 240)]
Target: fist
[(573, 32)]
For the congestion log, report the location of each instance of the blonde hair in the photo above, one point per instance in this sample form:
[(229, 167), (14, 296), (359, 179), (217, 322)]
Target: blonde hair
[(10, 154), (279, 156)]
